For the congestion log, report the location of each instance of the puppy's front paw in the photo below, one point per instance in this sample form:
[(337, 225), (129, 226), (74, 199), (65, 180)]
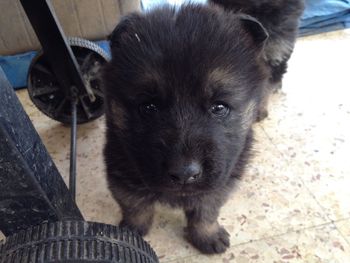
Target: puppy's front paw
[(208, 241), (141, 229)]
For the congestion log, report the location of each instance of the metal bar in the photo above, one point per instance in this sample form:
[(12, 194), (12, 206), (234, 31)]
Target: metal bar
[(53, 41), (31, 188), (73, 150)]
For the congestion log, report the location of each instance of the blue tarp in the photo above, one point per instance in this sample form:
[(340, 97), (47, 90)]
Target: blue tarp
[(16, 68), (324, 16), (319, 16)]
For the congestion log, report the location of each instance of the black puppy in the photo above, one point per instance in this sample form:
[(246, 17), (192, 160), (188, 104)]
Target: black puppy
[(281, 20), (182, 91)]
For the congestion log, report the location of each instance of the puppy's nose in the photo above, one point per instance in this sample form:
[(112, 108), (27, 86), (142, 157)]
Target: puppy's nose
[(186, 174)]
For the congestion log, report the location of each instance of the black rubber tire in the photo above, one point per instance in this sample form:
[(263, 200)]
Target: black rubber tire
[(78, 242), (54, 103), (80, 42)]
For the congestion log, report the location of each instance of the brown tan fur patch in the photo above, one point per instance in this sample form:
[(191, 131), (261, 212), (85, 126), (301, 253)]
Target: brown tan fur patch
[(220, 76), (118, 115), (206, 228)]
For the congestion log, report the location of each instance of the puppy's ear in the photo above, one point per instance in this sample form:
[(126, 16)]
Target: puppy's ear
[(123, 31), (255, 28)]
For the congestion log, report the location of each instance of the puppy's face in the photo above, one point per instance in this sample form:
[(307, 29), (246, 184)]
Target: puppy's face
[(181, 92)]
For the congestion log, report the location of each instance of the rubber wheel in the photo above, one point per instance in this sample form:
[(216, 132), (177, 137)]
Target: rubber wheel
[(78, 242), (47, 95)]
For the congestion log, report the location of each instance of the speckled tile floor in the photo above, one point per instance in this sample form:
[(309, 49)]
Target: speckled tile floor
[(292, 205)]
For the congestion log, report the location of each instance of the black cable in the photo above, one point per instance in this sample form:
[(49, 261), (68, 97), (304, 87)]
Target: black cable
[(73, 150)]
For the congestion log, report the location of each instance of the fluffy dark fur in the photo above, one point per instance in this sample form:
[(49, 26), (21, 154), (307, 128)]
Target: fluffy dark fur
[(182, 91), (281, 20)]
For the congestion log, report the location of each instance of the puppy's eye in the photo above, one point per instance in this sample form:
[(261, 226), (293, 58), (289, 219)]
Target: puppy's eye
[(219, 109), (148, 108)]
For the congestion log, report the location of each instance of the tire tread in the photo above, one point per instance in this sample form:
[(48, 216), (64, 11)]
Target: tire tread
[(76, 240)]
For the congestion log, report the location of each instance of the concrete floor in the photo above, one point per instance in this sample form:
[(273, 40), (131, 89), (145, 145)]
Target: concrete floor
[(292, 205)]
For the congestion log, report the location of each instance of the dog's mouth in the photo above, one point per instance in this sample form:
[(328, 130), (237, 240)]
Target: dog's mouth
[(165, 186), (183, 190)]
